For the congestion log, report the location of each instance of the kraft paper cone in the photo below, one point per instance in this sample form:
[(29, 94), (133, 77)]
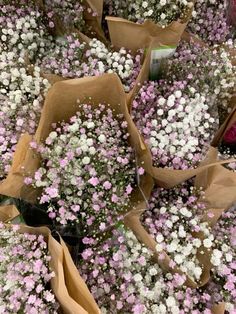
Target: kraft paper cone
[(60, 105), (78, 301), (76, 284), (124, 33), (169, 178)]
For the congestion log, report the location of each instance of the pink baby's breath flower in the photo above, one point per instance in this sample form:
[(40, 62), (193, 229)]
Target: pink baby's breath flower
[(94, 181), (141, 171)]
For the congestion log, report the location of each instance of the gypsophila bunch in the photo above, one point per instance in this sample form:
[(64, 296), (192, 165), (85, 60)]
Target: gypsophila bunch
[(124, 279), (72, 58), (175, 121), (209, 21), (24, 273), (210, 71), (21, 98), (88, 170), (23, 31), (162, 12), (172, 219), (223, 258)]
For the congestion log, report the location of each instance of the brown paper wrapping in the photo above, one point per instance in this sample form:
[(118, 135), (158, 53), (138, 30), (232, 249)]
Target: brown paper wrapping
[(8, 212), (219, 186), (81, 301), (148, 35), (218, 308), (95, 22)]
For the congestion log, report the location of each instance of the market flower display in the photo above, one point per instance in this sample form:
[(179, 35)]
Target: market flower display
[(140, 248), (24, 273)]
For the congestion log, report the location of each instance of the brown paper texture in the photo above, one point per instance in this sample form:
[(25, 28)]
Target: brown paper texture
[(8, 212)]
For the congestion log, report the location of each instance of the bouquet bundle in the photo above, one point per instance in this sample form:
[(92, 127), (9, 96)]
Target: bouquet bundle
[(35, 271), (91, 157)]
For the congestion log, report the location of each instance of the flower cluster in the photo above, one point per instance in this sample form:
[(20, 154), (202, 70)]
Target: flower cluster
[(210, 21), (88, 170), (24, 273), (163, 11), (209, 71), (21, 97), (172, 219), (162, 111), (23, 31), (72, 58), (124, 278)]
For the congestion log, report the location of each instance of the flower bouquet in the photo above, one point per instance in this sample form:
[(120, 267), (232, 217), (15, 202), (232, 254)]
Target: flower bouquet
[(79, 142), (38, 275)]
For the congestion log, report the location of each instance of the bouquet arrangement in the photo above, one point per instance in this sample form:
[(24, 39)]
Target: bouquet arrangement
[(124, 278), (88, 170), (92, 158), (24, 273), (162, 111)]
